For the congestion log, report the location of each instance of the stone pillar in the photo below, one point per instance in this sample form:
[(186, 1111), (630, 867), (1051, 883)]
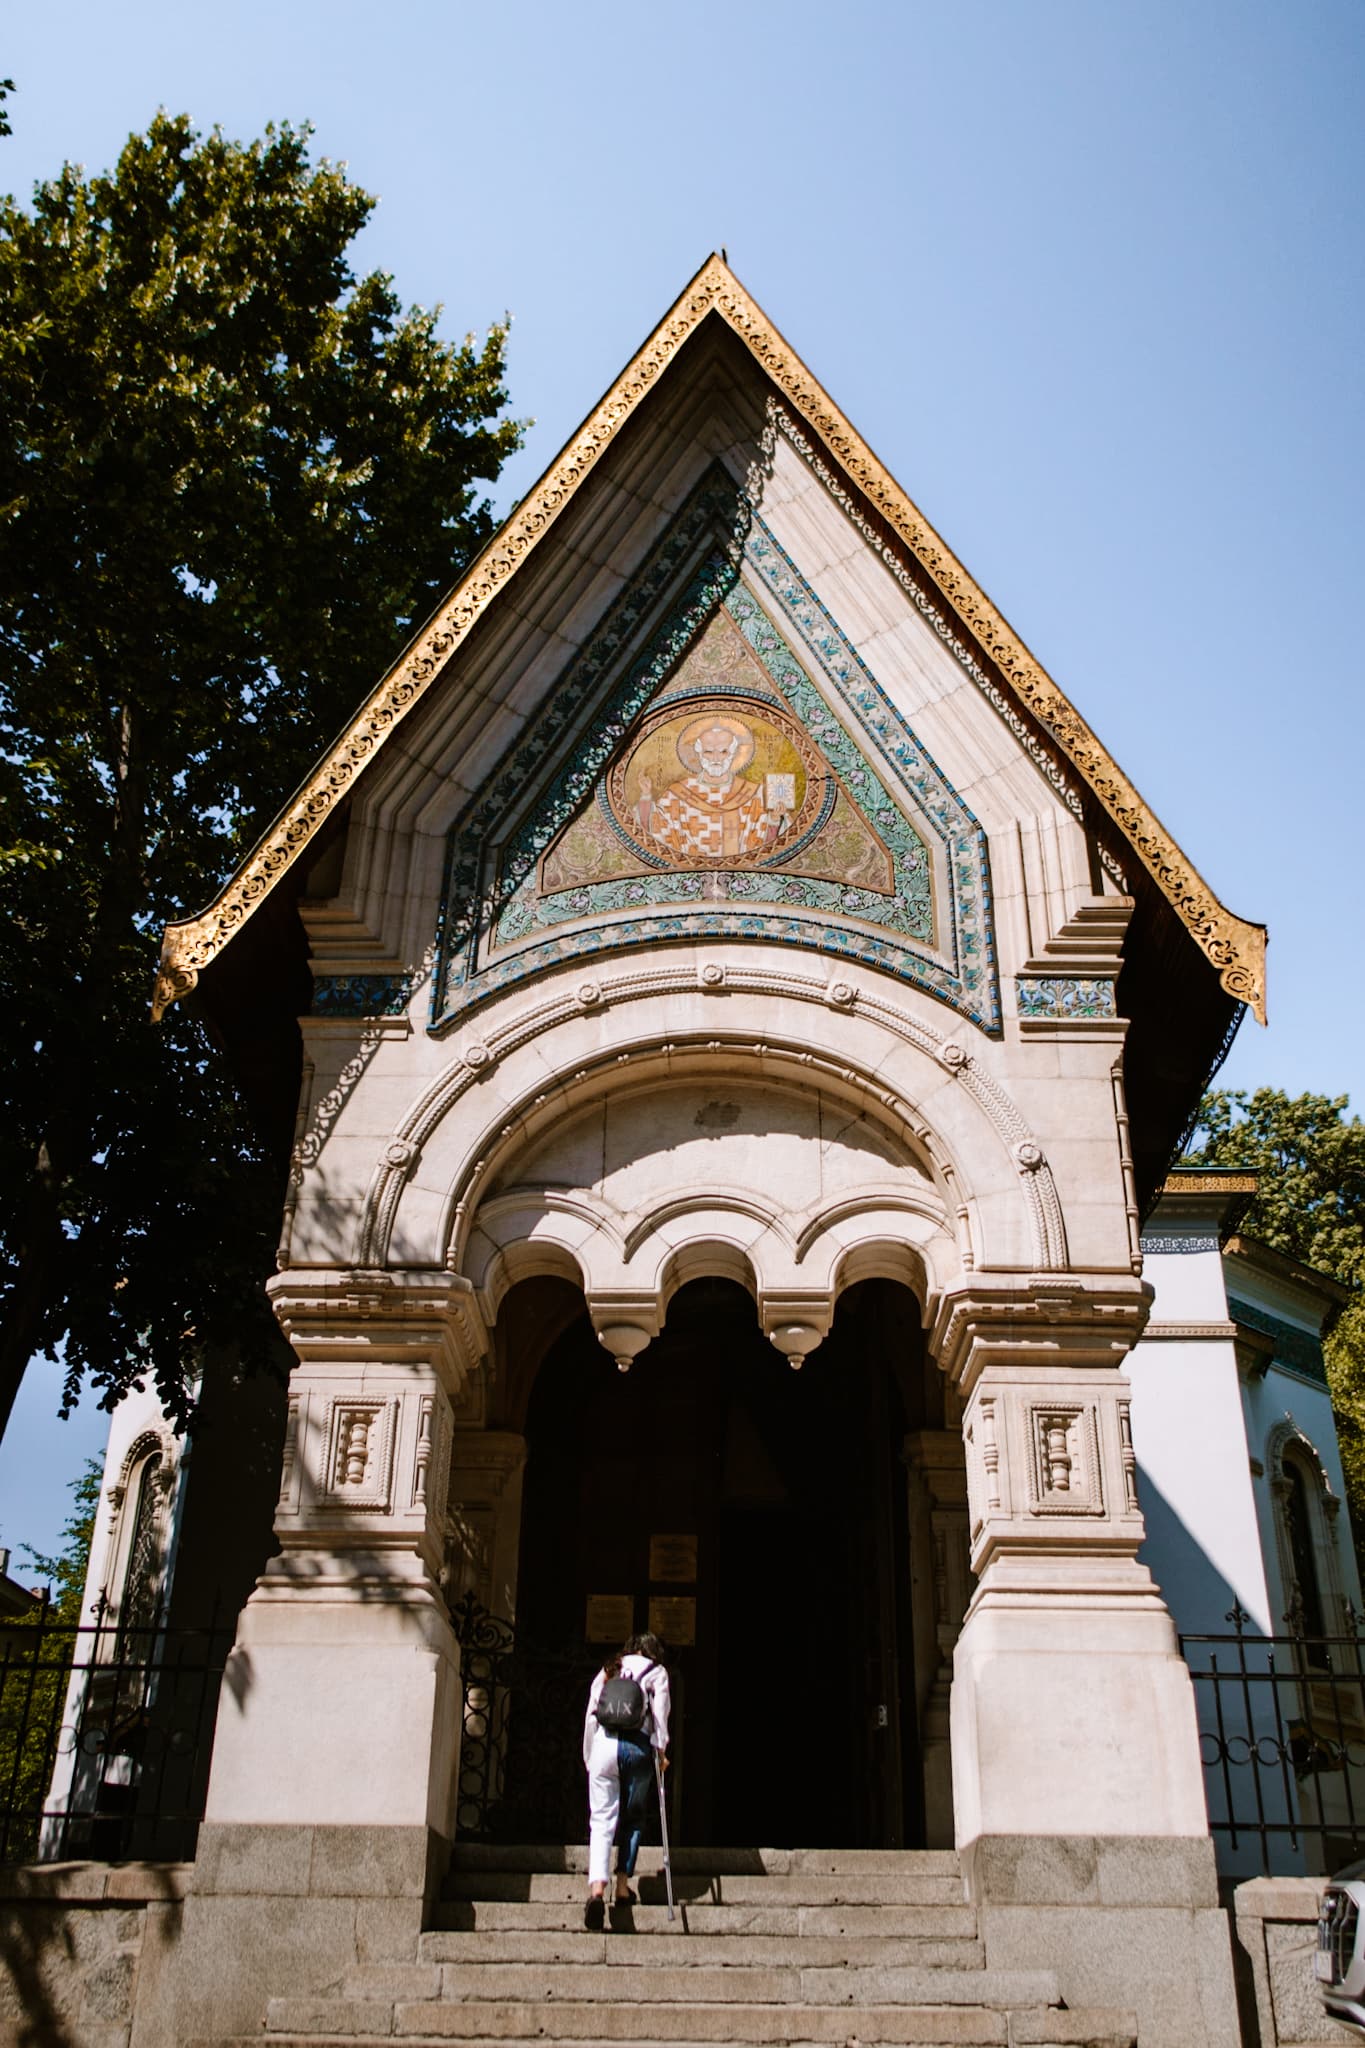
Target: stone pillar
[(1077, 1784), (941, 1583), (331, 1797), (341, 1699)]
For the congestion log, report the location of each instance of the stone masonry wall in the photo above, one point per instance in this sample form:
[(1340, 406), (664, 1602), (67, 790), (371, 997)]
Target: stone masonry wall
[(83, 1954)]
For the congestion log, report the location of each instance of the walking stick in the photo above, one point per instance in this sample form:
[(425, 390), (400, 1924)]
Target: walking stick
[(663, 1829)]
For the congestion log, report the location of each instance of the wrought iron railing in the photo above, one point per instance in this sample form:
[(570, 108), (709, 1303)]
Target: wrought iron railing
[(105, 1736), (1282, 1737), (521, 1776)]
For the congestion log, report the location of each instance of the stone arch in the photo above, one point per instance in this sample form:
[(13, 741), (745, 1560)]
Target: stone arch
[(997, 1187)]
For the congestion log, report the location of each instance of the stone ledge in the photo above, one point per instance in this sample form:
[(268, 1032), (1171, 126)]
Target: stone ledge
[(89, 1883), (1279, 1898)]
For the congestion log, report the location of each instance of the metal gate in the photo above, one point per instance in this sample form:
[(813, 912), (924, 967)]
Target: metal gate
[(521, 1754)]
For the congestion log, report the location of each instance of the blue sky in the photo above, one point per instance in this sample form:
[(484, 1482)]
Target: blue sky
[(1088, 274)]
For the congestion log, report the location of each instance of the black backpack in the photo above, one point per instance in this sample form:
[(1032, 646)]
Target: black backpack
[(622, 1708)]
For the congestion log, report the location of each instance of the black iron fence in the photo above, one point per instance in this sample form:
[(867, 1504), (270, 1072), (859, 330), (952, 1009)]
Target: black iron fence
[(105, 1737), (1282, 1737), (520, 1775)]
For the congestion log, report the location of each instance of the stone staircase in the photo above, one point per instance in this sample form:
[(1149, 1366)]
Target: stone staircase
[(790, 1946)]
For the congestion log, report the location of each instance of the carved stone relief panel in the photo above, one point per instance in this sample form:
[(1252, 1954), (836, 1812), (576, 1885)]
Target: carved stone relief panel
[(1064, 1459), (358, 1473)]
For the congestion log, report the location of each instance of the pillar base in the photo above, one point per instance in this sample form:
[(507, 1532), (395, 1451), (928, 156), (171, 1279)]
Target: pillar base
[(1127, 1921), (281, 1911), (341, 1705)]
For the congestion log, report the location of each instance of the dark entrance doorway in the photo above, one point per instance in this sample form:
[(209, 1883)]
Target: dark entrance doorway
[(760, 1511)]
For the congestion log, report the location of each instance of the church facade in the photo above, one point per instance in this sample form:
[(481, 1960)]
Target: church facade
[(730, 1019)]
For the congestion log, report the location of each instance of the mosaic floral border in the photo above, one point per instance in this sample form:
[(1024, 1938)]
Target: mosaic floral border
[(1064, 999), (361, 995)]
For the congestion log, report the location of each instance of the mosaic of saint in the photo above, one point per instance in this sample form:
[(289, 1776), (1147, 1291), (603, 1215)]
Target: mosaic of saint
[(720, 779), (745, 786)]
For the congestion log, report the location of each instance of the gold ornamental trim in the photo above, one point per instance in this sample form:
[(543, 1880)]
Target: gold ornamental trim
[(1235, 947)]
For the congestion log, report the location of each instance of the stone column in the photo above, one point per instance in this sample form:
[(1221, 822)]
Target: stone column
[(341, 1699), (1077, 1784), (941, 1585)]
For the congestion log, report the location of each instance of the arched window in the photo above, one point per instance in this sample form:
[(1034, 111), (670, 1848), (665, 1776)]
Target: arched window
[(1306, 1528), (142, 1575), (136, 1567)]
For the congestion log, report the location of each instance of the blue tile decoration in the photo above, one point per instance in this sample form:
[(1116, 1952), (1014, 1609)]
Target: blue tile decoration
[(1297, 1349), (500, 924), (1065, 999), (361, 995)]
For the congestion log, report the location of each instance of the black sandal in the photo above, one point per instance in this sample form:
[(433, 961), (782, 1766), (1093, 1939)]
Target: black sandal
[(595, 1914)]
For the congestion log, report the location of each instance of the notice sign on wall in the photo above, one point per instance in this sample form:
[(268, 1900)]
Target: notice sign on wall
[(611, 1617), (673, 1560), (673, 1618)]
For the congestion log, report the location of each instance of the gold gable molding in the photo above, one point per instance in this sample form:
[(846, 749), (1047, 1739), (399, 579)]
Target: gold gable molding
[(1236, 948)]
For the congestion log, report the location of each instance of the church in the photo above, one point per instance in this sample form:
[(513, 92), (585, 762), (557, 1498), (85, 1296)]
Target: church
[(733, 1026)]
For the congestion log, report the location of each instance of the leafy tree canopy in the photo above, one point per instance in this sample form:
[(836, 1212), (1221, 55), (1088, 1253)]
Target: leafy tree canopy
[(1310, 1156), (65, 1573), (233, 477), (1311, 1159)]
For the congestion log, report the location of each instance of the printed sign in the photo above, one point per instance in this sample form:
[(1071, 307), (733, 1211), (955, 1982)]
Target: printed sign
[(673, 1617), (611, 1617), (673, 1560)]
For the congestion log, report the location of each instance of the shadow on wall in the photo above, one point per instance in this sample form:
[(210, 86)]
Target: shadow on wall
[(79, 1944), (1275, 1779)]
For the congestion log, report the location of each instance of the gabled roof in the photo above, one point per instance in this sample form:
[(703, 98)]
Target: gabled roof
[(1236, 948)]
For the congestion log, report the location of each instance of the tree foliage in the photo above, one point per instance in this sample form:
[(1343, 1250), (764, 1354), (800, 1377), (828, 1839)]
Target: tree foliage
[(1310, 1156), (233, 477), (65, 1572)]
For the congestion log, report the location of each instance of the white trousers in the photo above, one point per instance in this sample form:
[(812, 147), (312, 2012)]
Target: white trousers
[(604, 1805)]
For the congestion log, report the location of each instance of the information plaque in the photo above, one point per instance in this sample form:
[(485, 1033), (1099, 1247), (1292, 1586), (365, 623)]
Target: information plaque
[(673, 1560), (673, 1617), (611, 1617)]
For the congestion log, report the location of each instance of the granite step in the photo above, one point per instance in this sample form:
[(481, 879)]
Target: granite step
[(573, 1857), (622, 1950), (317, 2021), (701, 1918), (1083, 2028), (895, 1887), (687, 1983)]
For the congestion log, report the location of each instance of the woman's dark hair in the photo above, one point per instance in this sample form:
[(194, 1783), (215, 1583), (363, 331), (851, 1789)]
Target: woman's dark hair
[(645, 1645)]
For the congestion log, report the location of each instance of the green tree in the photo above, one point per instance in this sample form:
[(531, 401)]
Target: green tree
[(36, 1654), (1310, 1156), (65, 1573), (233, 477)]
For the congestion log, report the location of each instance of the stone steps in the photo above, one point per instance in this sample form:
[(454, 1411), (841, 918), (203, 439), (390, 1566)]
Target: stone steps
[(482, 1857), (572, 1945), (566, 1915), (779, 1948), (765, 2027), (798, 1888)]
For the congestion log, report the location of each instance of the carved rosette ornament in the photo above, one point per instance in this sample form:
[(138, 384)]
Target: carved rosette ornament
[(1236, 948)]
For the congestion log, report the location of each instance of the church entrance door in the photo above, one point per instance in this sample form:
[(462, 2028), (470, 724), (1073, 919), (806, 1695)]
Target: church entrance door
[(755, 1516)]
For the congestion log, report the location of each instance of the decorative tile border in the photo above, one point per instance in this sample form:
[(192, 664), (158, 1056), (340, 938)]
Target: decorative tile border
[(361, 995), (1064, 998), (1298, 1349)]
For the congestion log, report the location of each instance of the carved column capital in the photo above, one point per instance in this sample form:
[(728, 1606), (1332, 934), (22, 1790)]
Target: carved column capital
[(1009, 1321), (349, 1316)]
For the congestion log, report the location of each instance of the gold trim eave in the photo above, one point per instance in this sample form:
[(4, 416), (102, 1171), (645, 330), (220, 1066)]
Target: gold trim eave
[(1235, 947)]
